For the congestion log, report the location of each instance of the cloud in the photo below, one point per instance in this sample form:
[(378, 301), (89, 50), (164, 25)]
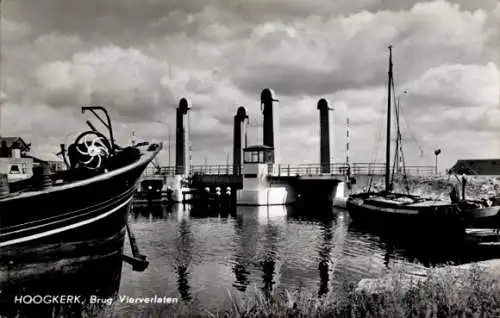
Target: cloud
[(457, 85), (126, 80), (139, 59)]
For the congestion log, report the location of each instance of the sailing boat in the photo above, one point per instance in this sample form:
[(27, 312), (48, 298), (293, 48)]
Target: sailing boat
[(391, 211)]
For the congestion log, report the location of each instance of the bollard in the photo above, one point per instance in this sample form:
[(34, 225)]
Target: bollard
[(4, 185), (46, 180)]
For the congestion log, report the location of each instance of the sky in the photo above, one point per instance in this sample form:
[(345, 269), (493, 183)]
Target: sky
[(138, 58)]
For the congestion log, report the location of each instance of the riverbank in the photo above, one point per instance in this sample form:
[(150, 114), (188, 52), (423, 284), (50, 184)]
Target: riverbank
[(439, 186), (465, 291)]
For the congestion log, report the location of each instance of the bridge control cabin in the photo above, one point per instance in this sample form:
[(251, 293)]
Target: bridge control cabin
[(258, 162), (258, 154), (258, 189)]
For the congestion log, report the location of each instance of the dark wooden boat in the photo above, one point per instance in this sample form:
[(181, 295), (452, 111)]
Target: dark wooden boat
[(483, 213), (401, 212), (50, 222)]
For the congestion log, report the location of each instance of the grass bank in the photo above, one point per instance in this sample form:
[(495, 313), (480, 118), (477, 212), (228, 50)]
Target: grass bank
[(444, 293)]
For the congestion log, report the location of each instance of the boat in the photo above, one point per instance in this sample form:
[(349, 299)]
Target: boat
[(480, 213), (390, 211), (152, 187), (54, 220)]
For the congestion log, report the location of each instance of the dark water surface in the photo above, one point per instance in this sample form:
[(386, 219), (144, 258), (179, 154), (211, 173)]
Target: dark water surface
[(204, 259)]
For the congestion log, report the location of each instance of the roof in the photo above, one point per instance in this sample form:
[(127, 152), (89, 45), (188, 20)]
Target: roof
[(257, 147), (11, 140), (46, 157), (477, 167)]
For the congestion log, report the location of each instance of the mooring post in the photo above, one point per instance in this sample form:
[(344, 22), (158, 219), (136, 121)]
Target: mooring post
[(46, 180), (41, 174), (4, 185)]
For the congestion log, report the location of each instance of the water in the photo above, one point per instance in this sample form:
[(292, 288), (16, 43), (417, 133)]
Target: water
[(268, 248), (203, 259)]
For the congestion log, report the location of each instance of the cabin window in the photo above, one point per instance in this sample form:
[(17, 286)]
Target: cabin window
[(258, 156), (252, 156), (261, 156), (14, 169)]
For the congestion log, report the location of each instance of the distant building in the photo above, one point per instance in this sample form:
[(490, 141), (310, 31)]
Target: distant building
[(13, 160), (9, 143), (55, 163), (484, 167), (17, 159)]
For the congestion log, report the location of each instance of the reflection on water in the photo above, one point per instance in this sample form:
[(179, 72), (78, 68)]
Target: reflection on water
[(245, 252), (98, 279), (325, 248), (183, 244)]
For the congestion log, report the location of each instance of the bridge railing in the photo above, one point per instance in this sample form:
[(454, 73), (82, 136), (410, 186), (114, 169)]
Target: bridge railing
[(371, 169)]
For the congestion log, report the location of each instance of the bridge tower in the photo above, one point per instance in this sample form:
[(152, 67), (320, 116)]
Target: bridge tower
[(182, 139), (260, 162), (239, 119), (182, 153), (269, 106), (324, 135)]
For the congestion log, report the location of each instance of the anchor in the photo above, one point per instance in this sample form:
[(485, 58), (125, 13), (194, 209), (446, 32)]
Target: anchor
[(137, 260)]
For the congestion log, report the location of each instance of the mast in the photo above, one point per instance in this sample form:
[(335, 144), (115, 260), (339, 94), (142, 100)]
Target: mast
[(388, 137), (347, 142)]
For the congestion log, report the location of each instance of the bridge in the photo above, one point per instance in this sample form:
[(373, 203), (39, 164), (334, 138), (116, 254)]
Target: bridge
[(301, 177), (201, 176), (336, 169)]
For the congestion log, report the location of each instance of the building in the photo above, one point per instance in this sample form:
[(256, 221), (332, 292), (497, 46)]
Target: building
[(483, 167), (9, 143), (17, 161), (55, 163), (13, 160)]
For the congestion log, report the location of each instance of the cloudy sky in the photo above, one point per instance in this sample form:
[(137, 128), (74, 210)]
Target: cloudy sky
[(140, 57)]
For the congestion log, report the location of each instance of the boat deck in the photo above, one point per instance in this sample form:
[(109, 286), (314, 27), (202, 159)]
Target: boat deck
[(405, 201)]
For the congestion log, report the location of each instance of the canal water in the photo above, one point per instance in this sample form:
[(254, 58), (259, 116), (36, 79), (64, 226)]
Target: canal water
[(207, 261), (203, 259)]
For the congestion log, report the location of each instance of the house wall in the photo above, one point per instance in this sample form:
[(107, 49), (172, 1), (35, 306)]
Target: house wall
[(25, 165)]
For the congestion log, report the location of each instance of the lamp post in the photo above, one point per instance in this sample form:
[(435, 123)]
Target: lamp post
[(436, 154)]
